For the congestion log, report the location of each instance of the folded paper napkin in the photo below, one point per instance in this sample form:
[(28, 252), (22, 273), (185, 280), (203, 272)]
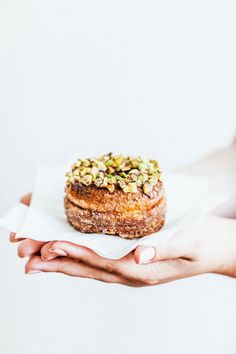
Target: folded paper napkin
[(188, 198)]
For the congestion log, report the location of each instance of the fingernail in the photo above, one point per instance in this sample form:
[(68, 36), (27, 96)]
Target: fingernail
[(59, 252), (34, 272), (147, 254), (48, 258)]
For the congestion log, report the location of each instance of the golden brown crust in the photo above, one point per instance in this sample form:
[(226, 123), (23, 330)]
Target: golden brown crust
[(99, 199), (127, 225), (129, 215)]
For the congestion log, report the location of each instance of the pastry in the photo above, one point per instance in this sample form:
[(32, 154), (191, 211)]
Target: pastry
[(115, 194)]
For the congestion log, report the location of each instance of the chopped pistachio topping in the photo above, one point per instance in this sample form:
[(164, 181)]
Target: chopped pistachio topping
[(116, 171)]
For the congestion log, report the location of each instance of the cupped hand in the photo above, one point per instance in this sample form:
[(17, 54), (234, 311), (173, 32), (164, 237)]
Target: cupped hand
[(208, 247)]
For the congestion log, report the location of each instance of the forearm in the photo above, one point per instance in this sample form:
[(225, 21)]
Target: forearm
[(220, 169)]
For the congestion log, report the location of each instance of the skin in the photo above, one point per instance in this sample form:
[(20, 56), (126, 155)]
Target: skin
[(209, 247)]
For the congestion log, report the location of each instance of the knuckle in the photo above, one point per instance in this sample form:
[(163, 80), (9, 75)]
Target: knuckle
[(12, 237), (22, 249), (19, 251), (147, 280), (44, 253), (151, 282), (149, 276), (112, 268), (59, 265), (52, 245), (101, 277), (32, 264), (45, 250)]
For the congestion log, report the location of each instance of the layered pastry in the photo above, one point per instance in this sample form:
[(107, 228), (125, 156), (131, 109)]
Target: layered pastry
[(116, 195)]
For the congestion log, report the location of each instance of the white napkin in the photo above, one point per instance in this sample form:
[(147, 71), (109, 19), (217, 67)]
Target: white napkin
[(188, 198)]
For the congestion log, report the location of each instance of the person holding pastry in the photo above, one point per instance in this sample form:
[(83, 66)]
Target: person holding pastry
[(209, 247)]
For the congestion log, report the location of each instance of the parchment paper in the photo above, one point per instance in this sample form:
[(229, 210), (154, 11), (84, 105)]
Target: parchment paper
[(188, 198)]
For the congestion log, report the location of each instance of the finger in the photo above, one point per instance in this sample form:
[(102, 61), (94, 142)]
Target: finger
[(29, 247), (47, 253), (83, 254), (145, 254), (168, 270), (54, 249), (80, 253), (160, 272), (125, 267), (26, 199), (178, 246), (73, 268), (151, 254), (12, 238)]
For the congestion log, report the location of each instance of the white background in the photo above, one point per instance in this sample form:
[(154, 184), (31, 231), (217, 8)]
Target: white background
[(156, 78)]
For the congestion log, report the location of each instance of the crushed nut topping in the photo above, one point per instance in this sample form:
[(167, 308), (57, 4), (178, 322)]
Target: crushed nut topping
[(116, 171)]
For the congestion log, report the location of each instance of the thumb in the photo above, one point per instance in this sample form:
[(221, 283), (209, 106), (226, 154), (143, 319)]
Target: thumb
[(173, 248)]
